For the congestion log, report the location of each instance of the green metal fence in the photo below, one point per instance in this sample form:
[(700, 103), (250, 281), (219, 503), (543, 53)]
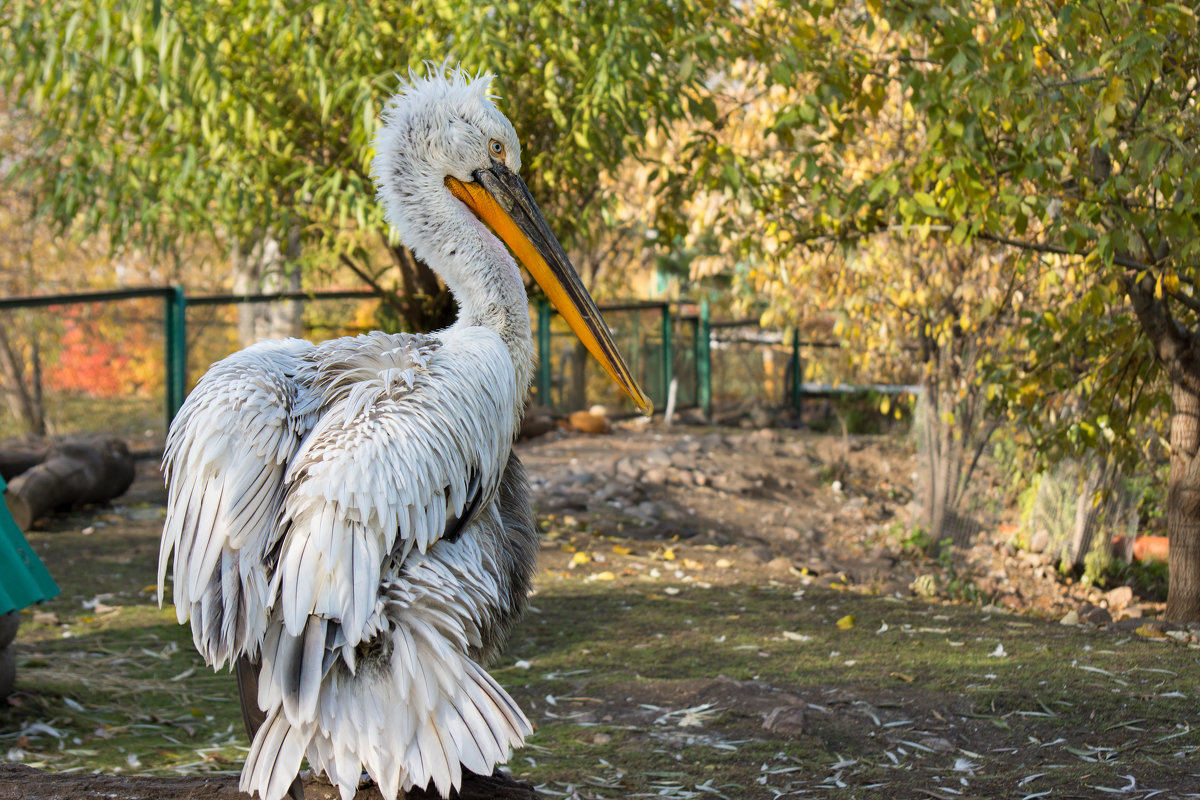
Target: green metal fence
[(122, 361)]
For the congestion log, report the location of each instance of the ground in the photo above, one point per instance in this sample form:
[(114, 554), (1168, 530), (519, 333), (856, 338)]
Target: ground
[(718, 612)]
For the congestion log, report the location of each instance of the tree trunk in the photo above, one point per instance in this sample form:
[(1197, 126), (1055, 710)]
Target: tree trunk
[(1183, 506), (267, 266), (23, 394), (85, 470), (431, 307), (937, 463), (1087, 516)]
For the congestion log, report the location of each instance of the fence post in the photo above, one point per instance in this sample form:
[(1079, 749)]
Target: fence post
[(797, 377), (668, 358), (176, 338), (704, 361), (543, 346)]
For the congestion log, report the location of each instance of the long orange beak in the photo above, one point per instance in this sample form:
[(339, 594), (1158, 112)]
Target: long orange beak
[(500, 198)]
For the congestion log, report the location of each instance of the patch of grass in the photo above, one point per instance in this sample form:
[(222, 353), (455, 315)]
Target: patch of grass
[(656, 687), (999, 696)]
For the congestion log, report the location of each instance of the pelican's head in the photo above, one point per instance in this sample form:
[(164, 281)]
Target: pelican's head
[(444, 151)]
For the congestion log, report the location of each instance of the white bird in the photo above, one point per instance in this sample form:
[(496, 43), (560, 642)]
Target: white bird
[(349, 525)]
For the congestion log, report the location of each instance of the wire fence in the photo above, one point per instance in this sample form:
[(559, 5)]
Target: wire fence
[(121, 361)]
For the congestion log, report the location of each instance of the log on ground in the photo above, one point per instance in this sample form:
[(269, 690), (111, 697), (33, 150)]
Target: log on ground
[(88, 469), (21, 454)]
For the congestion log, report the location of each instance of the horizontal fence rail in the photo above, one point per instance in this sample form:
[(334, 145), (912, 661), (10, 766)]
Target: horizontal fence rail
[(105, 360)]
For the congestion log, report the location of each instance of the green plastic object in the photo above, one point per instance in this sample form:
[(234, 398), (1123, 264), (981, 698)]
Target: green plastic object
[(23, 577)]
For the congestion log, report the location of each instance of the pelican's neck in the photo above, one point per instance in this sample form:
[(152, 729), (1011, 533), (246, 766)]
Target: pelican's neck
[(486, 284)]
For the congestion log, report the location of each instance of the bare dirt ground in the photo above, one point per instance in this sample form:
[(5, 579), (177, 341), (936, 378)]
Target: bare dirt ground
[(719, 612), (781, 505)]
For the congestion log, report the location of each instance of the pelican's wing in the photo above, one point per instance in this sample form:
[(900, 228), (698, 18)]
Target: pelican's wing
[(225, 459), (414, 433)]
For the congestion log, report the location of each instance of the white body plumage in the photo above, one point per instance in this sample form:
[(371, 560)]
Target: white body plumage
[(350, 514)]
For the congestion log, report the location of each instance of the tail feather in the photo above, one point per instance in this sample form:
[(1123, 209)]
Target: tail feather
[(274, 758)]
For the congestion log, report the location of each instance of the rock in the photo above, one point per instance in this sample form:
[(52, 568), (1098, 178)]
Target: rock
[(1093, 615), (1039, 541), (779, 564), (1118, 599), (655, 475), (657, 458), (1070, 618), (785, 720), (761, 554), (682, 459), (1012, 601), (626, 466), (648, 511), (731, 483)]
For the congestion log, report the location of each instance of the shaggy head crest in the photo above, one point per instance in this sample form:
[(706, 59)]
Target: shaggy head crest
[(440, 124)]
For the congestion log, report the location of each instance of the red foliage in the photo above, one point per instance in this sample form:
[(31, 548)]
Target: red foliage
[(101, 354)]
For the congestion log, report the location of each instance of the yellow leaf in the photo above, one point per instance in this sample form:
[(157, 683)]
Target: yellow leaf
[(668, 554), (1151, 632), (580, 558), (605, 576), (1171, 281), (846, 622), (621, 550)]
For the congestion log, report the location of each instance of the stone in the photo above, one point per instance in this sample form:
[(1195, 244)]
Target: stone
[(1039, 541), (785, 720), (1095, 615), (761, 553), (779, 564), (657, 458), (1118, 599), (655, 475), (626, 466)]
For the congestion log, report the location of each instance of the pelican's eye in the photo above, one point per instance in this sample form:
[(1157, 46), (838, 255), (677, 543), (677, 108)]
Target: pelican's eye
[(497, 148)]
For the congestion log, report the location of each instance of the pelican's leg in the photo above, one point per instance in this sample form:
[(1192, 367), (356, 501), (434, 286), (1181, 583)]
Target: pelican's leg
[(252, 715)]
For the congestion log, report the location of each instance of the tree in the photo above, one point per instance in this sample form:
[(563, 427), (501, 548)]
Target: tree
[(1060, 130), (253, 121)]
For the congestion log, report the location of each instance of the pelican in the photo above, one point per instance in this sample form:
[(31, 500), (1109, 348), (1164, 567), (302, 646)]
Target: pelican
[(351, 531)]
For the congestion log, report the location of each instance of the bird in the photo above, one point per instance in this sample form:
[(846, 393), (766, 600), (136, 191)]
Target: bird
[(347, 525)]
